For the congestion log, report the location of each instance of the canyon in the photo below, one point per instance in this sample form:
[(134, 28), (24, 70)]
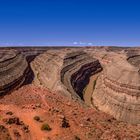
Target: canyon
[(82, 93)]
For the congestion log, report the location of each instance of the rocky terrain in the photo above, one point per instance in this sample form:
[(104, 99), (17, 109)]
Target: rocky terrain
[(87, 93), (117, 91), (13, 70), (77, 68), (65, 71)]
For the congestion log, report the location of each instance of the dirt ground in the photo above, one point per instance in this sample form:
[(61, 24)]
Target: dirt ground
[(25, 112)]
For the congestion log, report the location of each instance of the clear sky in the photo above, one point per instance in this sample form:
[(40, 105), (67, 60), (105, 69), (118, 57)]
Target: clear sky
[(70, 22)]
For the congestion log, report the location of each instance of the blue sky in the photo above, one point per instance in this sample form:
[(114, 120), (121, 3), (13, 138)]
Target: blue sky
[(70, 22)]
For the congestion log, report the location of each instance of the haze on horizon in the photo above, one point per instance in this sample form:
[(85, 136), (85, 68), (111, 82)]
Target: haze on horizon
[(69, 23)]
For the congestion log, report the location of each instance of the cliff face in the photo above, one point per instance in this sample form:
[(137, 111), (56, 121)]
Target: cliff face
[(65, 71), (77, 68), (13, 70), (118, 91)]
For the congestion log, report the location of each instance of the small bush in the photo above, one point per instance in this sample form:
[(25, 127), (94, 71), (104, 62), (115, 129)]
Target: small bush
[(37, 118), (77, 138), (65, 123), (9, 113), (13, 120), (46, 127), (2, 127)]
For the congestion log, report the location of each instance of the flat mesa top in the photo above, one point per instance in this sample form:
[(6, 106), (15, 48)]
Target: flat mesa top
[(7, 54)]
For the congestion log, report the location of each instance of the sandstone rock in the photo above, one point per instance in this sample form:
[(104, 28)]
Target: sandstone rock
[(77, 68), (13, 70), (118, 91), (64, 71)]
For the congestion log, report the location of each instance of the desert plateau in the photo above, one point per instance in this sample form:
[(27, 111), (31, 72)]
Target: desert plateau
[(70, 93)]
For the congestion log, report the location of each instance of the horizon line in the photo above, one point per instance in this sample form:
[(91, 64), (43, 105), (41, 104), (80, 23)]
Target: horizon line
[(66, 46)]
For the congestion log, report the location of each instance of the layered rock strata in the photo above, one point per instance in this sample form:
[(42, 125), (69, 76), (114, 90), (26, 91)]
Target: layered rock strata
[(47, 68), (13, 70), (117, 91), (65, 71), (134, 60), (77, 68)]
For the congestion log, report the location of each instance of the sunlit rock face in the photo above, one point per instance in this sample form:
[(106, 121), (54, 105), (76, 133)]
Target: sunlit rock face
[(76, 71), (65, 71), (13, 70), (118, 90)]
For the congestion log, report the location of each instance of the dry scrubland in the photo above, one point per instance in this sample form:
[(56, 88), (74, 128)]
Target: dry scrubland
[(65, 93)]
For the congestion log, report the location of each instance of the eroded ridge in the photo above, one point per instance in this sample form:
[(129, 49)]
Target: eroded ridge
[(13, 70), (78, 67), (47, 68), (118, 91), (67, 71)]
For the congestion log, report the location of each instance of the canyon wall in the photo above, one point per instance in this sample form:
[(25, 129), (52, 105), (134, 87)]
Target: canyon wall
[(13, 70), (77, 68), (65, 71), (117, 91)]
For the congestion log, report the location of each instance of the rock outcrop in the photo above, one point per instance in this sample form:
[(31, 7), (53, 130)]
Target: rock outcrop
[(13, 70), (47, 68), (117, 91), (65, 71), (77, 68)]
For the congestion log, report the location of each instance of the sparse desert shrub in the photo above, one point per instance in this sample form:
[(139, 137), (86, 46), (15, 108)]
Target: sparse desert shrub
[(46, 127), (26, 128), (1, 127), (37, 118), (14, 120), (16, 133), (9, 113), (65, 123), (77, 138)]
